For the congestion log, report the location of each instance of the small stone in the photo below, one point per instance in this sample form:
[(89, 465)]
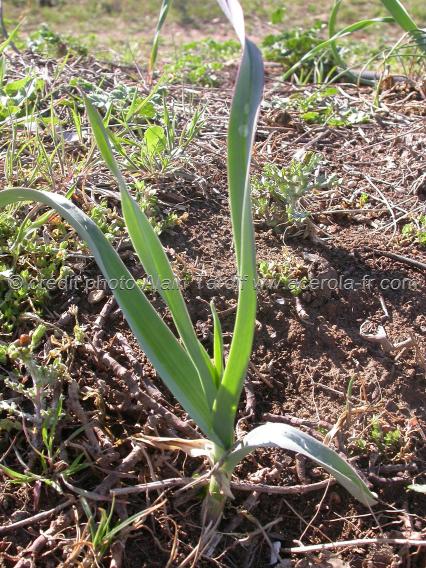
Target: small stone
[(95, 296)]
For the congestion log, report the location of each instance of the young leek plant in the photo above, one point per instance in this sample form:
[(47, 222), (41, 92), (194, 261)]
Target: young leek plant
[(398, 14), (207, 388)]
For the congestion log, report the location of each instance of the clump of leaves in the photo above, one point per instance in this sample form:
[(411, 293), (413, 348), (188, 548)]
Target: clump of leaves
[(200, 62), (17, 97), (107, 219), (290, 46), (50, 44), (30, 266), (386, 439), (147, 199), (121, 99), (289, 275), (416, 230), (278, 192), (323, 106)]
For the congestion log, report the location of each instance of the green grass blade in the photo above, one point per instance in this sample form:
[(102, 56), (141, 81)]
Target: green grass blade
[(18, 477), (154, 259), (9, 40), (158, 342), (400, 15), (242, 123), (332, 22), (217, 343), (165, 7), (406, 22), (127, 522), (102, 141), (271, 435)]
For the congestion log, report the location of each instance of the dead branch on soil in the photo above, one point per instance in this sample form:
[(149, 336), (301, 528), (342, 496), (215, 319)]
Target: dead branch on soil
[(237, 485), (5, 529), (356, 542)]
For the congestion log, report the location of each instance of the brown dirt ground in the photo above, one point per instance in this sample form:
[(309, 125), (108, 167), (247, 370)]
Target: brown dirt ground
[(302, 365)]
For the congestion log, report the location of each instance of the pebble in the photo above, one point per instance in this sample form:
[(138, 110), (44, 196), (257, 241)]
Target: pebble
[(95, 296)]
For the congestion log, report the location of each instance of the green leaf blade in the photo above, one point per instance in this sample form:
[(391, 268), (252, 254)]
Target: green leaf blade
[(244, 112), (156, 339), (272, 435), (165, 7), (154, 259)]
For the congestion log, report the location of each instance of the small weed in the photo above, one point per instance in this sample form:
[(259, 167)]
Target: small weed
[(30, 268), (164, 144), (289, 47), (107, 219), (415, 231), (200, 62), (42, 424), (46, 42), (147, 200), (103, 532), (385, 439), (363, 199), (288, 275), (122, 99), (18, 97), (323, 106), (278, 192)]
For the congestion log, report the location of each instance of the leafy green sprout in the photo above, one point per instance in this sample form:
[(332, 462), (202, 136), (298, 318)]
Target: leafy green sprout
[(147, 199), (389, 440), (286, 275), (45, 418), (104, 531), (110, 223), (416, 230), (50, 44), (16, 97), (322, 106), (363, 199), (278, 192), (208, 388), (289, 47), (200, 62)]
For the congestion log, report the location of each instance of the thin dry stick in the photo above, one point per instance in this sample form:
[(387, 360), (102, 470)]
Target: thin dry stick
[(35, 518), (317, 512), (384, 141), (75, 406), (399, 257), (387, 203), (262, 530), (258, 487), (127, 464), (355, 542)]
